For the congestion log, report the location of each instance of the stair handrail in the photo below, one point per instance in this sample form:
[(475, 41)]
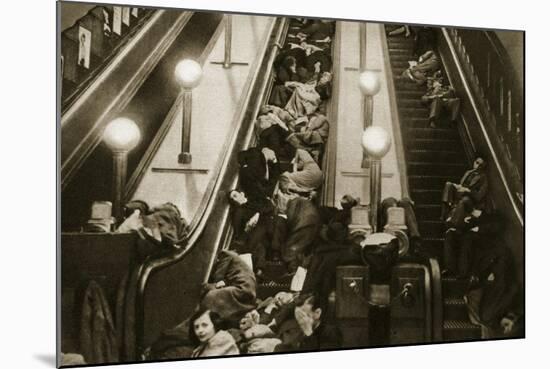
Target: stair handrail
[(468, 79), (204, 211)]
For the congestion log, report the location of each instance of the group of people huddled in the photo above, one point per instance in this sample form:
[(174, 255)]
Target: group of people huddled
[(274, 217), (425, 70)]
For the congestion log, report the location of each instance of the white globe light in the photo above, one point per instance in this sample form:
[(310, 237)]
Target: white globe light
[(188, 73), (369, 83), (376, 141), (122, 134)]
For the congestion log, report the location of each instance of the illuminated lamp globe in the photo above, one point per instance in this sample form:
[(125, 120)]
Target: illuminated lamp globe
[(369, 83), (188, 73), (376, 142), (122, 134)]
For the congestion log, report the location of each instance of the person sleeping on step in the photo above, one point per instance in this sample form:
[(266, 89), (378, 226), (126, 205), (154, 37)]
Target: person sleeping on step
[(440, 97), (231, 290), (426, 65)]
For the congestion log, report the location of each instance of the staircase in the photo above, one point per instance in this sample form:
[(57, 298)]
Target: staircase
[(434, 156)]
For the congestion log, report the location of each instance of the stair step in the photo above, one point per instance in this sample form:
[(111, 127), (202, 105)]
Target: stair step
[(433, 144), (455, 309), (459, 330), (427, 212), (435, 156), (426, 196), (430, 168), (433, 133)]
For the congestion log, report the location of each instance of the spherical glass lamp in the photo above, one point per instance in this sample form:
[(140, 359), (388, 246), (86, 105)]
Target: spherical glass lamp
[(369, 83), (376, 141), (122, 134), (188, 73)]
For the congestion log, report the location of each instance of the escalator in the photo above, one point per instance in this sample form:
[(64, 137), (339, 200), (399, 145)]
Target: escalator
[(177, 279), (435, 156), (137, 83)]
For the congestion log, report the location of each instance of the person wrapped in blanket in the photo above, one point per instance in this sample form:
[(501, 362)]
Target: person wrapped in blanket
[(311, 134), (162, 227), (419, 71)]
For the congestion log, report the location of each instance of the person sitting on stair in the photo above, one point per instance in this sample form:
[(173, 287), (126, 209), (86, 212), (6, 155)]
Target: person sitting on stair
[(471, 192), (439, 97)]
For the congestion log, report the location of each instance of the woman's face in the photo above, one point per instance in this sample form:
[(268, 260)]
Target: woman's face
[(204, 328)]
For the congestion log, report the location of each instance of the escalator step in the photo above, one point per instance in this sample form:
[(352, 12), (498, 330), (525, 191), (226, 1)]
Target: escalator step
[(431, 228), (427, 168), (426, 196), (455, 309), (433, 144), (416, 94), (432, 133), (428, 182), (411, 103), (454, 287), (439, 156), (460, 330), (266, 289), (428, 212)]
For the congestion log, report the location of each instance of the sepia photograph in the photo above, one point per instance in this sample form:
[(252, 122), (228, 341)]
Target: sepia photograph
[(241, 184)]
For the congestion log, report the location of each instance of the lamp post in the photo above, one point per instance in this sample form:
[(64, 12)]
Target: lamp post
[(121, 136), (369, 84), (189, 73), (376, 143)]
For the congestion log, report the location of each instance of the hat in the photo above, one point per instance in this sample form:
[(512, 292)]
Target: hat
[(335, 232), (349, 201)]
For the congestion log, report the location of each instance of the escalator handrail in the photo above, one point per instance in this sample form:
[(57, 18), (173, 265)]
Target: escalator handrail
[(394, 113), (205, 208), (482, 123)]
